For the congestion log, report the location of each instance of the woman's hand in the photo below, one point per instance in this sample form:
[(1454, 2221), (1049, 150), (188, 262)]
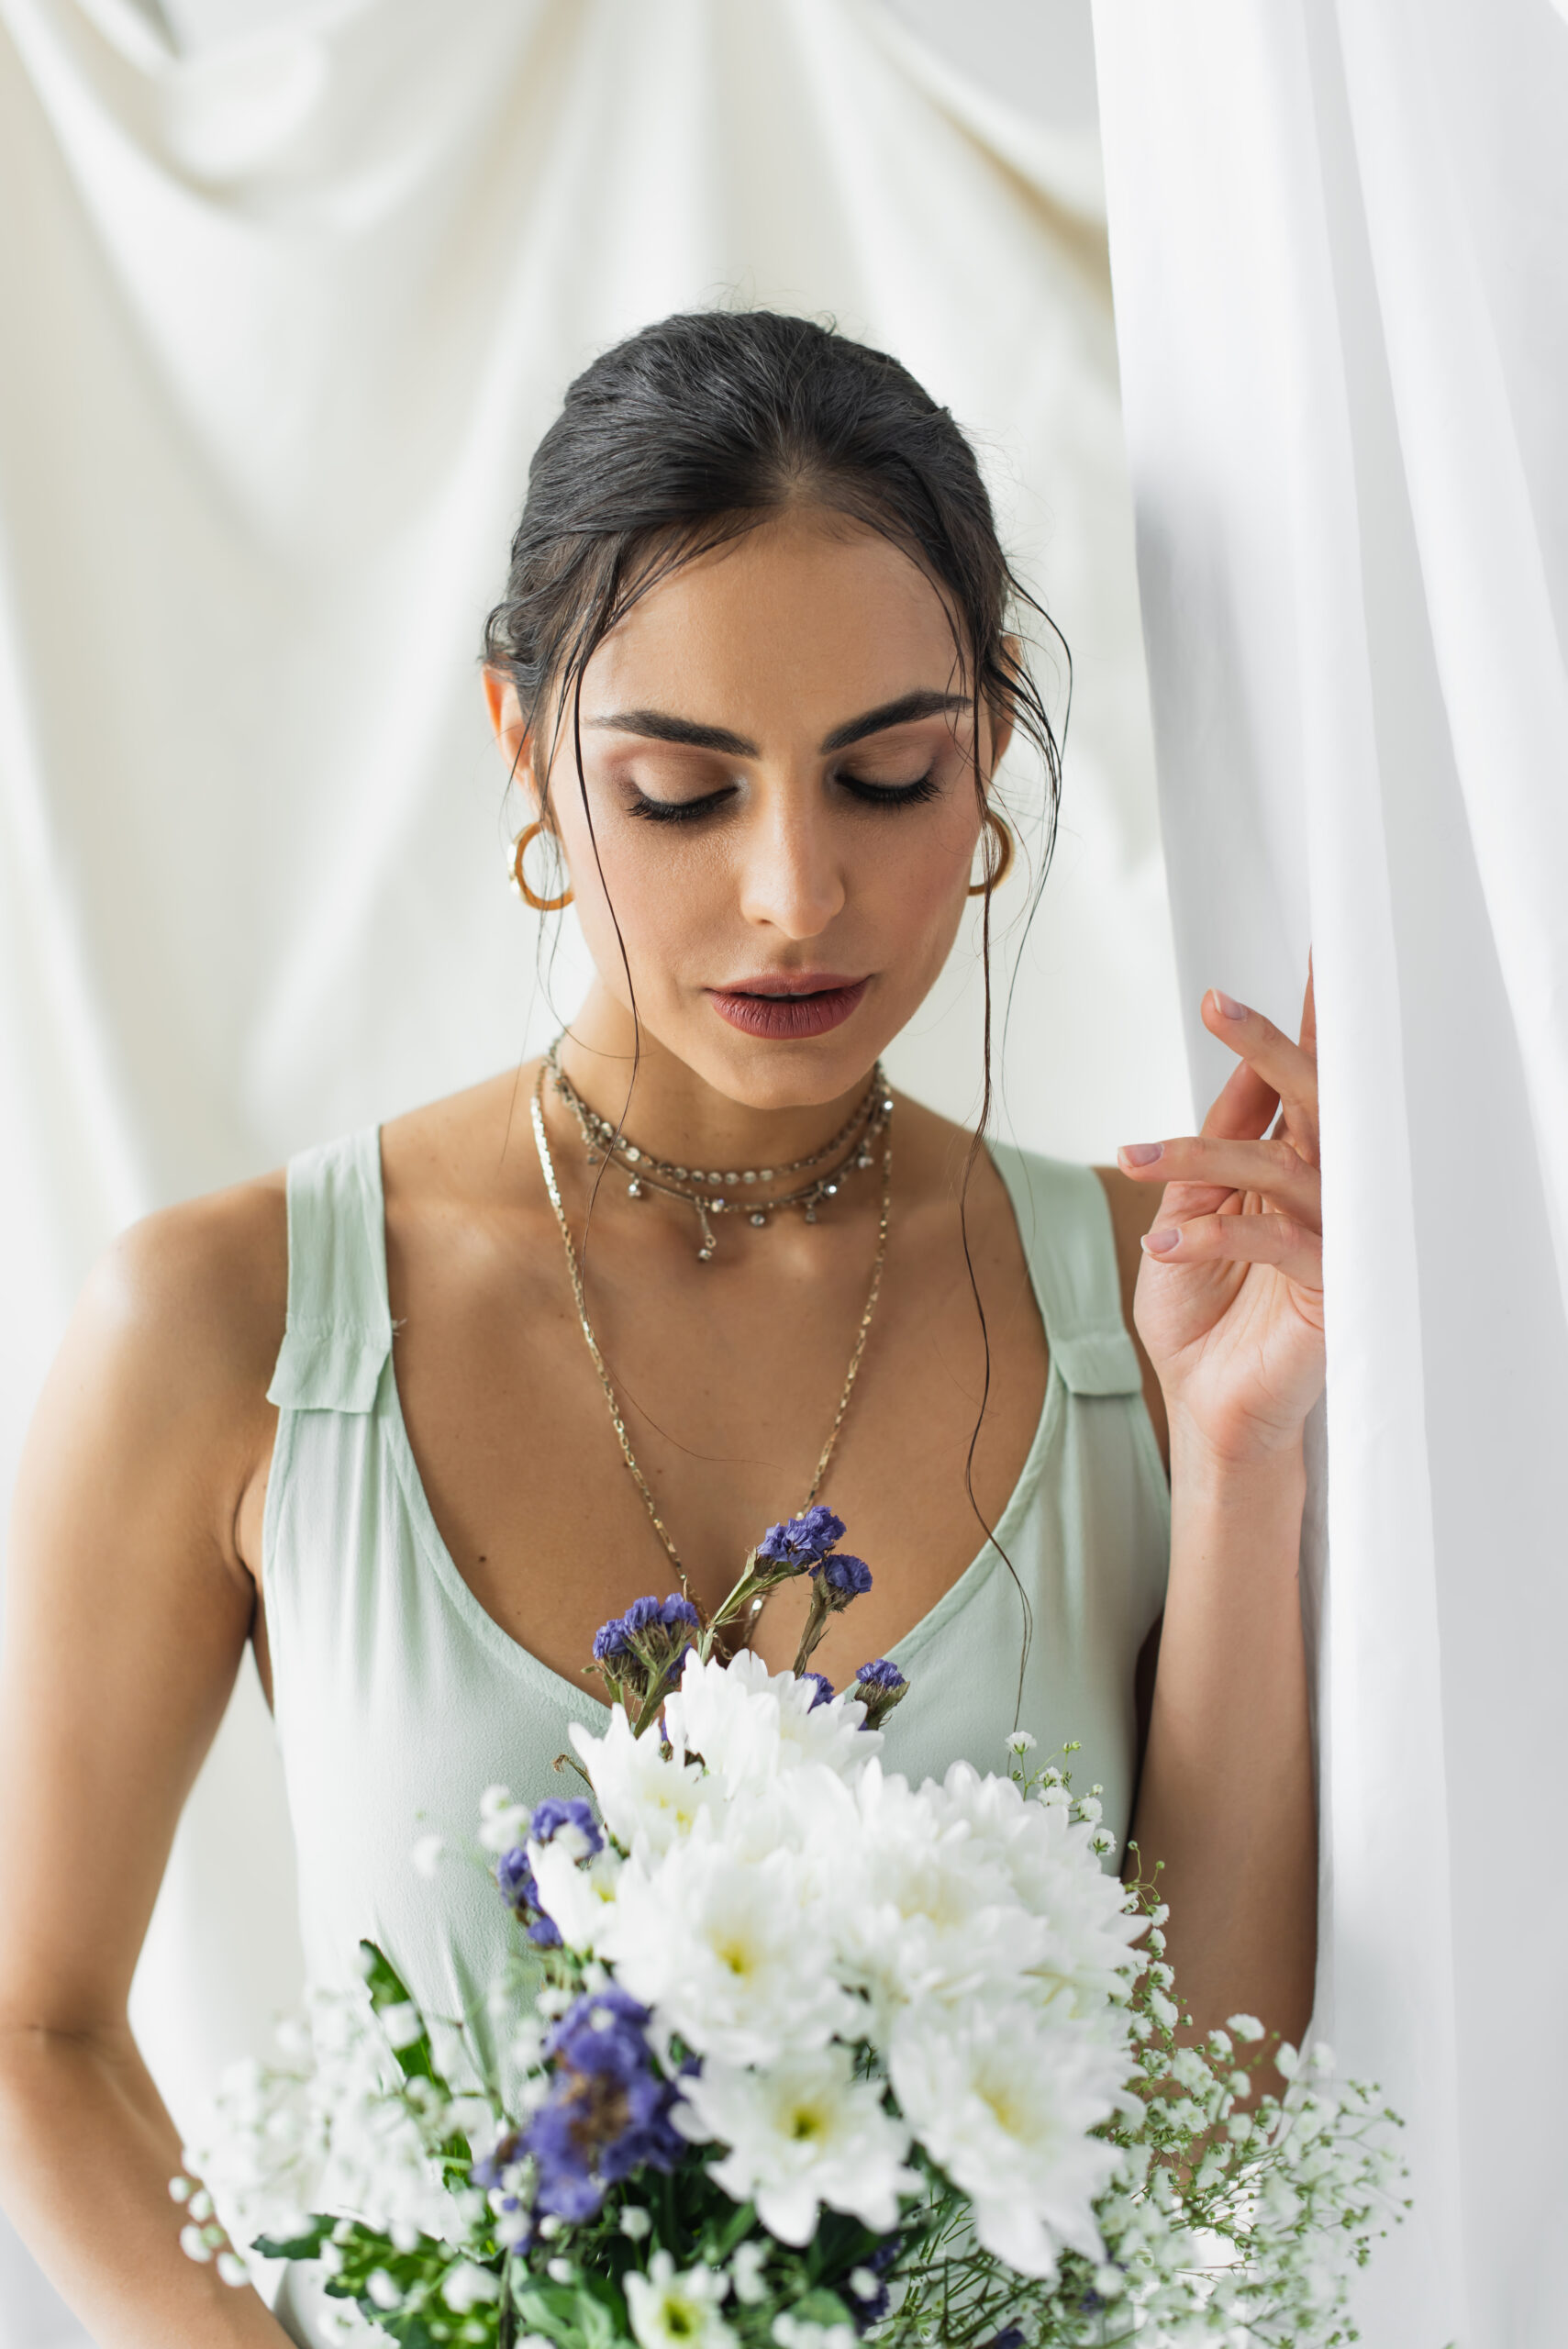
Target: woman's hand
[(1229, 1300)]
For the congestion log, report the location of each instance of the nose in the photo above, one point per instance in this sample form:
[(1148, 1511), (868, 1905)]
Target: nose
[(792, 877)]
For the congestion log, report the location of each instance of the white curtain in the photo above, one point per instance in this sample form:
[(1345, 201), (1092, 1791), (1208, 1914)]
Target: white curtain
[(1338, 237), (287, 303)]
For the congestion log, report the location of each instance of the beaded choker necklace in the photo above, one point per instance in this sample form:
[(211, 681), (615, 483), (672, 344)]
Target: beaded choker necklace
[(711, 1194)]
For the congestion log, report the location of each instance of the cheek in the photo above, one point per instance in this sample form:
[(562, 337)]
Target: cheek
[(916, 882), (662, 892)]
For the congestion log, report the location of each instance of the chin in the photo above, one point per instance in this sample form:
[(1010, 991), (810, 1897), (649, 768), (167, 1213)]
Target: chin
[(786, 1073)]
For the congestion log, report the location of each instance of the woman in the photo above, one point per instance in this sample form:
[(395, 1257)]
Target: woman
[(418, 1416)]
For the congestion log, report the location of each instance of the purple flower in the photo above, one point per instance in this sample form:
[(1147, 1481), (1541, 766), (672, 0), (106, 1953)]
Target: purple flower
[(801, 1540), (843, 1578), (1013, 2339), (551, 1816), (520, 1894), (642, 1651), (490, 2171), (607, 2113), (515, 1879), (824, 1689), (879, 1685), (610, 1640)]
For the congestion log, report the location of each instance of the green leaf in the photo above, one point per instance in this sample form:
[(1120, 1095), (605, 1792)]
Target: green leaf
[(739, 2226), (821, 2306), (387, 1989), (409, 2328), (549, 2309)]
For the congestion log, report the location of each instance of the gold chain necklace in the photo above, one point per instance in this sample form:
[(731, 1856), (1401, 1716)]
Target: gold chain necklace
[(547, 1167), (715, 1194)]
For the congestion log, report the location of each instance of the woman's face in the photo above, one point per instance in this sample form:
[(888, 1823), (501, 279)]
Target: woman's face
[(777, 756)]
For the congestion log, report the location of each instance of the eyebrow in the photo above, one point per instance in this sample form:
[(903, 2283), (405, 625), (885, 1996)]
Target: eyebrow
[(661, 726)]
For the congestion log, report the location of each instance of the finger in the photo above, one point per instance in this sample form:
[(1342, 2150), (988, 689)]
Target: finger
[(1274, 1169), (1243, 1106), (1276, 1239), (1309, 1016), (1273, 1058)]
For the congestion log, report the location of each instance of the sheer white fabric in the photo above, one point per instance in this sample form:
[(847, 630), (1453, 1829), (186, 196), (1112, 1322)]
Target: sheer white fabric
[(285, 309), (1337, 241)]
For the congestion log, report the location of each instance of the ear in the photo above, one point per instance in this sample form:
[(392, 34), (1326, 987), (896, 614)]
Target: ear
[(1000, 720), (512, 738), (1001, 730)]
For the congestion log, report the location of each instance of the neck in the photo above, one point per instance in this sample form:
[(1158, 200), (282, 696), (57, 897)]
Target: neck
[(669, 1109)]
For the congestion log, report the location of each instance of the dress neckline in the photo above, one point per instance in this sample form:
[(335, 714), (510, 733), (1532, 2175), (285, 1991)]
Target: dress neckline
[(526, 1666)]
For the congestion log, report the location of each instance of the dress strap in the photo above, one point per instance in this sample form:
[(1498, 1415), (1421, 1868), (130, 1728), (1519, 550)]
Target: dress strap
[(338, 1333), (1064, 1223)]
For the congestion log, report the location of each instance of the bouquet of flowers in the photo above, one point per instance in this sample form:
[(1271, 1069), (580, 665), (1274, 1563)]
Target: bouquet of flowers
[(793, 2052)]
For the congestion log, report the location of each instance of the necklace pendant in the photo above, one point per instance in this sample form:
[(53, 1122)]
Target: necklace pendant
[(634, 1189), (759, 1217), (811, 1215)]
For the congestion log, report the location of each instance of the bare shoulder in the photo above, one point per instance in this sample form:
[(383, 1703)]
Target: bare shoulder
[(200, 1289), (158, 1394), (449, 1149), (936, 1156)]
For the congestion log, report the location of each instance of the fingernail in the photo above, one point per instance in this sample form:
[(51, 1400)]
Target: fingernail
[(1141, 1153), (1160, 1243), (1228, 1005)]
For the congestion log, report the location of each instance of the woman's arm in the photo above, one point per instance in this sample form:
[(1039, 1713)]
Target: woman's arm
[(1231, 1316), (126, 1616)]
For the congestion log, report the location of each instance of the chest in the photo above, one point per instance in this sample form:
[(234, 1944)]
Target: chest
[(727, 1378)]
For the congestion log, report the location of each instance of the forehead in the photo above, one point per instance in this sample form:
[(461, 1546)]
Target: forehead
[(790, 629)]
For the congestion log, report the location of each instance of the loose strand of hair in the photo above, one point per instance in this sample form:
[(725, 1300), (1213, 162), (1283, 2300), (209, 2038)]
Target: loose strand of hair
[(976, 1145)]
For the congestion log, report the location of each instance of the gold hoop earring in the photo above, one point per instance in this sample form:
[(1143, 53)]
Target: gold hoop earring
[(996, 828), (520, 879)]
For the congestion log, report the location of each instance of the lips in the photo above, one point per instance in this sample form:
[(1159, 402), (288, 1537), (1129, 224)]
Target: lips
[(793, 1006)]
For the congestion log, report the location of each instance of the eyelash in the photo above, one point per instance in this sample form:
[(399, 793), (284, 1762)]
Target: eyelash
[(690, 811)]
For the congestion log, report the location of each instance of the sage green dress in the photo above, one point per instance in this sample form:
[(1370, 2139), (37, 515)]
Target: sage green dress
[(398, 1699)]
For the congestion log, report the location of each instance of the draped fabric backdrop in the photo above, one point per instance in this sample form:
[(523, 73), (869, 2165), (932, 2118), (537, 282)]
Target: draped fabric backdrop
[(288, 290), (1338, 235)]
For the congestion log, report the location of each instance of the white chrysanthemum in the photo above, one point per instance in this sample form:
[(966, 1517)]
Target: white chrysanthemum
[(808, 1810), (803, 2133), (731, 1955), (748, 1724), (642, 1792), (578, 1895), (1003, 2099), (673, 2312), (933, 1912), (1053, 1873)]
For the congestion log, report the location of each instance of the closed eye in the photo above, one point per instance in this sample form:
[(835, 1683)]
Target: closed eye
[(680, 811), (871, 795), (891, 795)]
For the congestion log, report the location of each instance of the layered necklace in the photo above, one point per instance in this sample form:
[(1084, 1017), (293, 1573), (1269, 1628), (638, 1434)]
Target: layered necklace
[(851, 1149), (871, 1122)]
